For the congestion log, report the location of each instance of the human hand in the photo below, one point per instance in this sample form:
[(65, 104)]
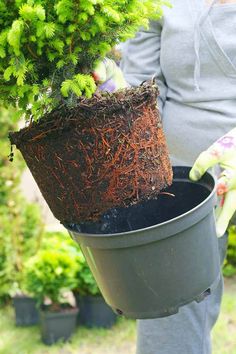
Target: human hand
[(109, 76), (222, 152)]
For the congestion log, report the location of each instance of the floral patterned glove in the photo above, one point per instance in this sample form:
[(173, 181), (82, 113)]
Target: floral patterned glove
[(109, 76), (222, 152)]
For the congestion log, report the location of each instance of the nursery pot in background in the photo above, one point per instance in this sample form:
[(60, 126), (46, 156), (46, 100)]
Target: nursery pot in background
[(153, 257), (57, 326), (26, 312), (109, 151), (94, 311)]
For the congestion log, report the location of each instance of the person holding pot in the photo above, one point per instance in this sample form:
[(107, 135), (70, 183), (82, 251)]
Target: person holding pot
[(191, 52)]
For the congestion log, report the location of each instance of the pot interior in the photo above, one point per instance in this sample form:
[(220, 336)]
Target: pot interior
[(182, 196)]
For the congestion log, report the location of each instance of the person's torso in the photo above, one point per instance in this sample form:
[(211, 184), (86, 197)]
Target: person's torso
[(194, 119)]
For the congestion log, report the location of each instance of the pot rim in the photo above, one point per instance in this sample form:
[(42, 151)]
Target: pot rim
[(65, 312), (163, 224)]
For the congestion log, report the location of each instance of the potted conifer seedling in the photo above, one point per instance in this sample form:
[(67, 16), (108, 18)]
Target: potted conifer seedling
[(95, 152), (93, 310), (49, 277)]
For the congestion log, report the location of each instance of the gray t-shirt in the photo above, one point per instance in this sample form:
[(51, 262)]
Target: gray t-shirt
[(192, 51)]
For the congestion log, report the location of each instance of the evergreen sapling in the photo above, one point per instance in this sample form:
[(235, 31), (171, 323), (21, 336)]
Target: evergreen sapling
[(48, 48)]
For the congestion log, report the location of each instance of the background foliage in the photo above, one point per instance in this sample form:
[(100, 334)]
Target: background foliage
[(20, 222), (230, 262), (85, 283), (49, 274)]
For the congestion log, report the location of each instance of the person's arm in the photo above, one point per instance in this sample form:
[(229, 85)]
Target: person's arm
[(222, 152), (141, 59)]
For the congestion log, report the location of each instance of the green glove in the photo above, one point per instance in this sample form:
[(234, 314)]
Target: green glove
[(222, 152), (109, 76)]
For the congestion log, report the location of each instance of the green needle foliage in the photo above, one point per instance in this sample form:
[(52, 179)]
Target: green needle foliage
[(48, 48)]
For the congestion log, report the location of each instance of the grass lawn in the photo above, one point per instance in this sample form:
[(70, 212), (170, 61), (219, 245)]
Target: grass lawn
[(118, 340), (18, 340), (224, 334)]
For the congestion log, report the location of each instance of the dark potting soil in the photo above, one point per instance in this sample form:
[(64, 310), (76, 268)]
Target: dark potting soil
[(107, 152), (58, 308), (176, 200)]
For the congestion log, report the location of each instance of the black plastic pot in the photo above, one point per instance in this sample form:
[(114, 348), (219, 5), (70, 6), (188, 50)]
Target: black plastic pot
[(152, 258), (94, 312), (57, 325), (26, 312)]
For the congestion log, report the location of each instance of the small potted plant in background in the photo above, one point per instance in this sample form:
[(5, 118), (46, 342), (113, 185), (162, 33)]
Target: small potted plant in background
[(50, 276), (93, 310)]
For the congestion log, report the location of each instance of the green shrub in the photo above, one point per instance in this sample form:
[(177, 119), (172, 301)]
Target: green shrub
[(230, 262), (49, 274), (48, 48), (20, 222), (20, 237), (60, 241), (85, 283)]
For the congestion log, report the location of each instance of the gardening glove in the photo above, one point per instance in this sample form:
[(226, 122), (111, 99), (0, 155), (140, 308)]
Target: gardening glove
[(109, 76), (222, 152)]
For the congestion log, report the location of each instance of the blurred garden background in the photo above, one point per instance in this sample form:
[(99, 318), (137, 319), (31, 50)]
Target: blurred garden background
[(39, 263)]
